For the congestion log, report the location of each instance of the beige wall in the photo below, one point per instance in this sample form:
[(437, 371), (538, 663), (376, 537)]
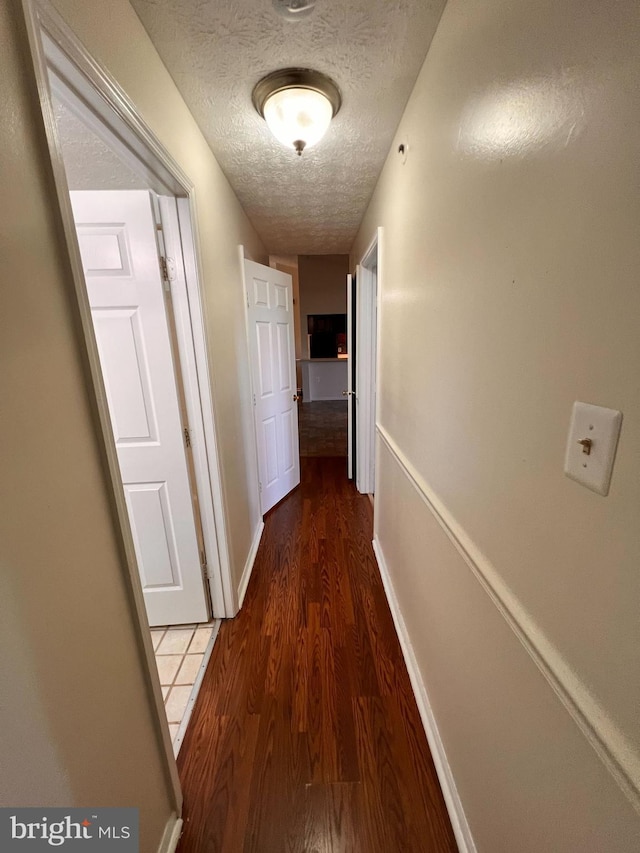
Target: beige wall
[(114, 35), (323, 288), (510, 263), (77, 724)]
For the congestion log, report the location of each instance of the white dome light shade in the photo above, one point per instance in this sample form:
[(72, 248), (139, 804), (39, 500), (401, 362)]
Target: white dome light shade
[(297, 104), (298, 118)]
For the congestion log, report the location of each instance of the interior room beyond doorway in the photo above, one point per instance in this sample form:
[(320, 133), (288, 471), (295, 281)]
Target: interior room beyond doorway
[(322, 425), (319, 291)]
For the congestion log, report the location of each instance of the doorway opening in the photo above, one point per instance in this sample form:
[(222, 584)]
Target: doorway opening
[(134, 320), (320, 321), (126, 208)]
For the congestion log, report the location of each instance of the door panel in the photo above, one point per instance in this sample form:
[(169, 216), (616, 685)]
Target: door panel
[(270, 437), (289, 429), (117, 237), (104, 250), (263, 334), (126, 377), (150, 514), (284, 357), (282, 298), (271, 348)]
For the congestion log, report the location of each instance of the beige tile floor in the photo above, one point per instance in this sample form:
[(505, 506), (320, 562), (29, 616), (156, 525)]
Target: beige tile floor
[(179, 655)]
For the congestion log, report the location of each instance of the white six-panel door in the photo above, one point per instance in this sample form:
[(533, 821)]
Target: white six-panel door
[(273, 369), (117, 237)]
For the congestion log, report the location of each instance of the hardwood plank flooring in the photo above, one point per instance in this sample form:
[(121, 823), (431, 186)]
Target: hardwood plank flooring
[(306, 737)]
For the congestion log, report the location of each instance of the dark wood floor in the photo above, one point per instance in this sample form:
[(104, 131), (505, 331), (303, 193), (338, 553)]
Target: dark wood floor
[(305, 737)]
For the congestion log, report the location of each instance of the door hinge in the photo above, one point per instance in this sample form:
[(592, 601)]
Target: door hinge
[(259, 486), (203, 563), (187, 437), (168, 270), (254, 399), (247, 295)]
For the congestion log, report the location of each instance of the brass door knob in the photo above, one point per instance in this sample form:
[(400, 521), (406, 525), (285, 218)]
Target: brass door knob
[(295, 398)]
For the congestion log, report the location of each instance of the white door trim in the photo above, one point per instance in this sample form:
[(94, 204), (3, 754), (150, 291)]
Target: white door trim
[(379, 306), (367, 364), (41, 19), (349, 389), (111, 104), (179, 246)]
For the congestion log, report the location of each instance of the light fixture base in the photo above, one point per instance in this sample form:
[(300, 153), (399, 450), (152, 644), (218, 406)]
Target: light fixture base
[(295, 78), (294, 10)]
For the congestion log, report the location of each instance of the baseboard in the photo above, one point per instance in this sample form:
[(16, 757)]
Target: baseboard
[(619, 755), (452, 800), (248, 568), (172, 833)]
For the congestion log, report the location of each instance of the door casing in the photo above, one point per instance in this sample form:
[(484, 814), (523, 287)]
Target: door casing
[(54, 47), (368, 318)]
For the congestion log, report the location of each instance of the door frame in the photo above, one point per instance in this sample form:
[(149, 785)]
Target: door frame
[(351, 362), (179, 244), (368, 281), (116, 114)]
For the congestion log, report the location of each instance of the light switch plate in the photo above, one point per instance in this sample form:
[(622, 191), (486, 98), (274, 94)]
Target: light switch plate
[(601, 427)]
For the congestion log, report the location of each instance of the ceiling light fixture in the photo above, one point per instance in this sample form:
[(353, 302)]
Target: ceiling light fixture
[(297, 104), (294, 10)]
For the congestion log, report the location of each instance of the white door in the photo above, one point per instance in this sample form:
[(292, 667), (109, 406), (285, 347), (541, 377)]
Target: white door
[(117, 237), (348, 392), (273, 372)]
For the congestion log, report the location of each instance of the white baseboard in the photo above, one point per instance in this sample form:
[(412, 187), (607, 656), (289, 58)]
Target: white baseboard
[(172, 833), (248, 568), (617, 751), (457, 816)]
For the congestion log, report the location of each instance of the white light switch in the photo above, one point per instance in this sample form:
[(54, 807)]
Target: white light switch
[(591, 448)]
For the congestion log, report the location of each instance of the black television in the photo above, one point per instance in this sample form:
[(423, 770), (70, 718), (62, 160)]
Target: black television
[(328, 335)]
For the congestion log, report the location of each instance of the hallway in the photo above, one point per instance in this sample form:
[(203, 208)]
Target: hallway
[(322, 426), (306, 736)]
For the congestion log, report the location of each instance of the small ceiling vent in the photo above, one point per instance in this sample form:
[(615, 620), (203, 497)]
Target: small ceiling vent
[(294, 10)]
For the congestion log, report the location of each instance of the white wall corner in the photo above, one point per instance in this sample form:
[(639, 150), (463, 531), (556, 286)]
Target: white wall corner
[(172, 833), (248, 568), (452, 800)]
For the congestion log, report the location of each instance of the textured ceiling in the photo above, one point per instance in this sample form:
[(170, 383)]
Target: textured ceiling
[(216, 50), (89, 163)]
